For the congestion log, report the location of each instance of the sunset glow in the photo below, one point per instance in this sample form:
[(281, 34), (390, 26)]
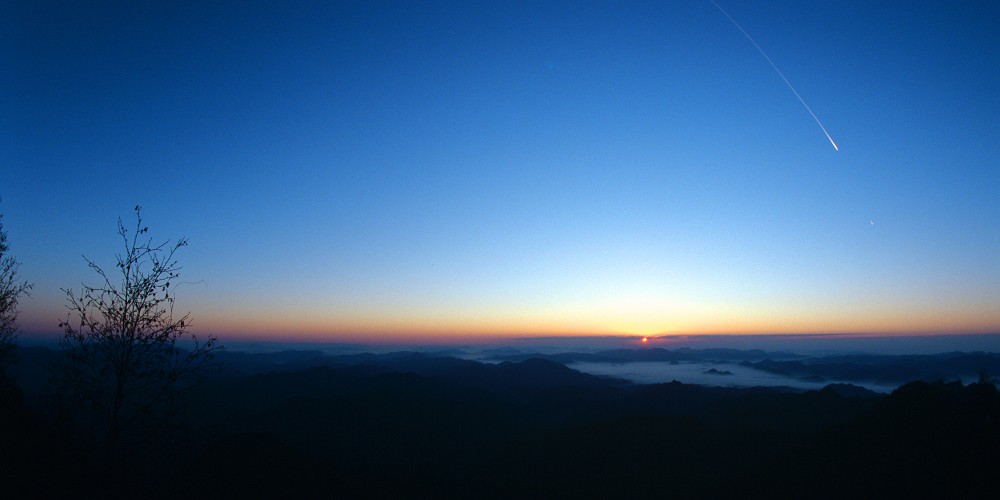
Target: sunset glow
[(423, 172)]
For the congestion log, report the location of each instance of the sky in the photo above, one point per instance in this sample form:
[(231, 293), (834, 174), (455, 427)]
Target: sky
[(380, 170)]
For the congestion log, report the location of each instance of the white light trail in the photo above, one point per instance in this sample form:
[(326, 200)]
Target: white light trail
[(782, 75)]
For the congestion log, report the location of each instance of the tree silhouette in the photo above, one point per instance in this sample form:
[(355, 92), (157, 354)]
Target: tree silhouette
[(128, 356), (11, 289), (985, 378)]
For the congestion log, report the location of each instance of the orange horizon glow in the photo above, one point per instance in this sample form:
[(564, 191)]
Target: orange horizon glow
[(407, 338), (429, 336), (485, 332), (314, 327), (303, 322)]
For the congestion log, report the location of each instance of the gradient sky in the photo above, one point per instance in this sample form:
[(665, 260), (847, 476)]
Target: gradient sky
[(374, 170)]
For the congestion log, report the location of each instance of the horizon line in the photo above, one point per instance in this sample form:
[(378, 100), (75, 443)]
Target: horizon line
[(477, 339)]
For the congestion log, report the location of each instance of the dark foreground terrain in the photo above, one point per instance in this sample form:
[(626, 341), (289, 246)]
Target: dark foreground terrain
[(290, 425)]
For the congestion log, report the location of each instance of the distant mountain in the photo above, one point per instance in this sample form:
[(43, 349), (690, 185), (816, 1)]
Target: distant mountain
[(851, 391), (884, 368), (653, 354), (529, 373), (716, 371), (406, 424), (925, 440)]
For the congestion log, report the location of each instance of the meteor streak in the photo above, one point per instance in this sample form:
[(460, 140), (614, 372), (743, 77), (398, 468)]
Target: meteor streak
[(782, 75)]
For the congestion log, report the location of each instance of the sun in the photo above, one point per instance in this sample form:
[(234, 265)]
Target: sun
[(645, 340)]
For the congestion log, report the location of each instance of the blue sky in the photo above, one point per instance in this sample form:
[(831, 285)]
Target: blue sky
[(368, 169)]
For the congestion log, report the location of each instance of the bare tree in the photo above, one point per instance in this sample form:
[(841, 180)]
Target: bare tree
[(128, 356), (11, 289)]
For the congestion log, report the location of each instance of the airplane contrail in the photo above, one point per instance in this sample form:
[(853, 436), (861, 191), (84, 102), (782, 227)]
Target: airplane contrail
[(782, 75)]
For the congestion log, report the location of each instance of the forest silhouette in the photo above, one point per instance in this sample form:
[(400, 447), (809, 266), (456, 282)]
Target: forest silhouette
[(194, 421), (419, 425)]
